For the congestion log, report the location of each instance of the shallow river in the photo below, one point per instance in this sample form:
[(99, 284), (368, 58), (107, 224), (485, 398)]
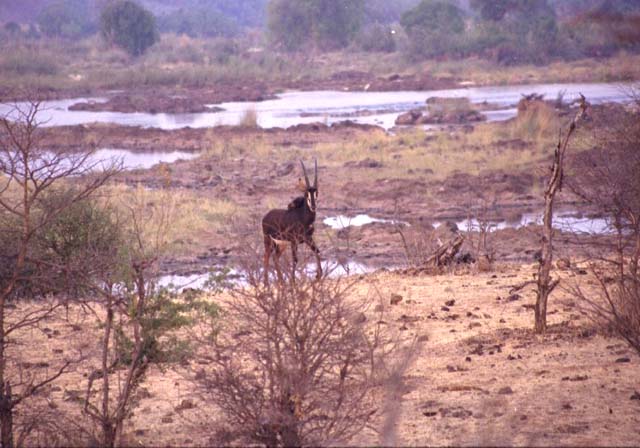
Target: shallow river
[(291, 108)]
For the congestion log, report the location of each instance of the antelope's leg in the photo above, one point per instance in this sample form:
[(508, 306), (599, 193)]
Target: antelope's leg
[(268, 247), (276, 261), (316, 251), (294, 260)]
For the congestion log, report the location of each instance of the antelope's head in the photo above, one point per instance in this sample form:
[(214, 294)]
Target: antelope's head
[(311, 191)]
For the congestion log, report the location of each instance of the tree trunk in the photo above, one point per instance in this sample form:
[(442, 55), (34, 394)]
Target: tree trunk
[(108, 432), (6, 415)]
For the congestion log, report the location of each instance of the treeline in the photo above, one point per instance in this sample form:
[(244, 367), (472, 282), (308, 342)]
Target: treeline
[(504, 31)]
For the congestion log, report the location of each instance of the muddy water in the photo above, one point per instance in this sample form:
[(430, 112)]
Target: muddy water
[(139, 160), (566, 222), (236, 277), (342, 221), (106, 158), (572, 222), (292, 108)]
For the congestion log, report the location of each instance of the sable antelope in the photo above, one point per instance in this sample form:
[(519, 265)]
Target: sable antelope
[(292, 226)]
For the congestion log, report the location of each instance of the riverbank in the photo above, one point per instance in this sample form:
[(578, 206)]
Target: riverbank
[(149, 83)]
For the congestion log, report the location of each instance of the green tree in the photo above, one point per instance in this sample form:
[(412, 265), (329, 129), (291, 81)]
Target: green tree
[(516, 31), (434, 28), (289, 23), (386, 12), (376, 37), (66, 18), (491, 10), (335, 23), (12, 29), (327, 24), (198, 22), (128, 25)]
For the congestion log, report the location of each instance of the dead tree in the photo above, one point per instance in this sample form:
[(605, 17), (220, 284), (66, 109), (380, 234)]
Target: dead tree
[(545, 284)]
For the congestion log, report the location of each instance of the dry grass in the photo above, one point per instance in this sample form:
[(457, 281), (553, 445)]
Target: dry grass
[(621, 67), (191, 216), (252, 145), (249, 119), (179, 60), (514, 145)]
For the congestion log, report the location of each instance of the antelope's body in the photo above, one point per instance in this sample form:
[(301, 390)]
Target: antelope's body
[(291, 227)]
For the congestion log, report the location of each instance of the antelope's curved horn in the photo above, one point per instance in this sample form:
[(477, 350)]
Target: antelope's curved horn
[(315, 179), (306, 178)]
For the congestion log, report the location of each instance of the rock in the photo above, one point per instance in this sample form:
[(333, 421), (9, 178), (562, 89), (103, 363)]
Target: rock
[(575, 378), (395, 299), (474, 325), (635, 396), (409, 118), (185, 404), (513, 297), (450, 302), (369, 163), (624, 359), (456, 412), (444, 308), (505, 391)]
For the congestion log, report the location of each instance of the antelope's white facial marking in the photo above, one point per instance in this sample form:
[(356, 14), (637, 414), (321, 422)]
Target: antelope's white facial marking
[(312, 199)]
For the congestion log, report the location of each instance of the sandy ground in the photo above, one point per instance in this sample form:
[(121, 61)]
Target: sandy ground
[(479, 375)]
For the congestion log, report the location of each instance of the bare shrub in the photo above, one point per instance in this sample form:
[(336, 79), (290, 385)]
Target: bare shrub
[(140, 322), (29, 172), (480, 232), (296, 362), (418, 242), (607, 177)]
